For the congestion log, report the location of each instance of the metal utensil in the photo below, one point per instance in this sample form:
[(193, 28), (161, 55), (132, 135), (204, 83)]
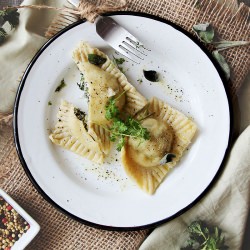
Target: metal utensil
[(118, 37)]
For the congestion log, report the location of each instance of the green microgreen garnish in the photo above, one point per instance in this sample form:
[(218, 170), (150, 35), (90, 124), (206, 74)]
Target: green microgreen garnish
[(204, 237), (60, 86), (123, 128), (111, 109), (96, 59)]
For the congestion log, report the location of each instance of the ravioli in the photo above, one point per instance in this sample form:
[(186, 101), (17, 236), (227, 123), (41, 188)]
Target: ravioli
[(71, 133), (170, 132), (105, 81)]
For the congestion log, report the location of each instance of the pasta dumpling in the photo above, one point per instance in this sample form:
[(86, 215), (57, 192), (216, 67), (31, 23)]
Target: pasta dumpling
[(170, 132), (104, 81), (151, 151), (71, 133)]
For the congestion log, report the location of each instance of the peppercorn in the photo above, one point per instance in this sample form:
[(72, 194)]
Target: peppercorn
[(12, 225)]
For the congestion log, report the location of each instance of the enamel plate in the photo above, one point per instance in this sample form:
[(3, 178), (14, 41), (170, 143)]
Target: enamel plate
[(103, 196)]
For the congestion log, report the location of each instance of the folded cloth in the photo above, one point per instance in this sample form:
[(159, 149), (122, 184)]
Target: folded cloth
[(30, 36), (226, 205)]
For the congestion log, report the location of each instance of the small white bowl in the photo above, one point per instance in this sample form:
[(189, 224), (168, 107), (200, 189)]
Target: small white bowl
[(27, 237)]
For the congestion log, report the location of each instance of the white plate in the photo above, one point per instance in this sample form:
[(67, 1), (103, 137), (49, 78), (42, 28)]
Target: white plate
[(103, 196)]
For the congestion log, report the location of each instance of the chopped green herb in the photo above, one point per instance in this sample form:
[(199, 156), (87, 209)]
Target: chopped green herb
[(81, 85), (169, 157), (121, 69), (79, 114), (86, 93), (151, 75), (62, 85), (202, 236), (119, 61), (96, 59), (49, 103), (122, 128), (139, 81)]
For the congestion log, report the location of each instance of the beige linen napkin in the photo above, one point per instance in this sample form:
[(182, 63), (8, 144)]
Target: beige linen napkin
[(21, 46), (226, 205)]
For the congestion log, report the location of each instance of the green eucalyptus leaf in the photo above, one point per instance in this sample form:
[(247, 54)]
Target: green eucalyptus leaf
[(205, 32), (230, 44), (222, 62)]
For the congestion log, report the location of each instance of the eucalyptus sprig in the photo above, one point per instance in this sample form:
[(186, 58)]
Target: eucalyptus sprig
[(12, 17), (207, 34), (204, 237)]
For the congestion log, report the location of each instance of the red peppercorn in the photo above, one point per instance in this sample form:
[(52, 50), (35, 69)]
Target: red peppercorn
[(10, 238), (9, 207), (7, 248), (4, 220)]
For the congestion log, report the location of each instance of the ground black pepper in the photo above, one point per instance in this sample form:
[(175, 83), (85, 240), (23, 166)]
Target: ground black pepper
[(12, 225)]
